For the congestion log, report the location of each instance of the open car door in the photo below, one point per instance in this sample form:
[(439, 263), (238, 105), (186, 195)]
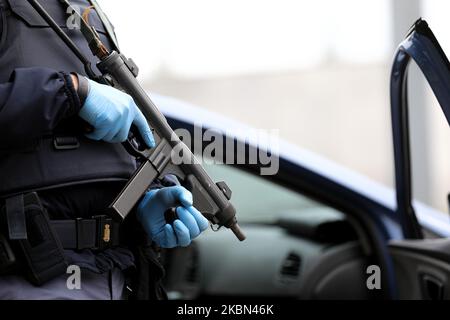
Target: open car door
[(422, 265)]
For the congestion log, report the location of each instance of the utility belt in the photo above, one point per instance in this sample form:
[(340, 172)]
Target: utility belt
[(32, 243)]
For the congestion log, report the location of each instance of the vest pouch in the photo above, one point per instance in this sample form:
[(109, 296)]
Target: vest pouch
[(57, 163), (40, 252), (57, 10), (29, 40)]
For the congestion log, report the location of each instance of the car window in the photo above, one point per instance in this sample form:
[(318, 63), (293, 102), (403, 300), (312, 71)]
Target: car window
[(259, 200)]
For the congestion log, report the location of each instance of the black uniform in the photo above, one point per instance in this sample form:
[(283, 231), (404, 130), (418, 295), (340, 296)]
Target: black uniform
[(42, 143)]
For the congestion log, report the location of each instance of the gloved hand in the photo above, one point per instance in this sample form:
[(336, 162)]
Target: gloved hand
[(111, 112), (151, 211)]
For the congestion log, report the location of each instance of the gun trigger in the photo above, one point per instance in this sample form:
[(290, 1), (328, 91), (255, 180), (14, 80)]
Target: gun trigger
[(171, 215), (132, 149), (225, 189)]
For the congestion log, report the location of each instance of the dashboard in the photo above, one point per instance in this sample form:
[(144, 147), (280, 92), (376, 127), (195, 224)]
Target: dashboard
[(296, 258)]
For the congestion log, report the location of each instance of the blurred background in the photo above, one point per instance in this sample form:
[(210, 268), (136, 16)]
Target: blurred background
[(316, 70)]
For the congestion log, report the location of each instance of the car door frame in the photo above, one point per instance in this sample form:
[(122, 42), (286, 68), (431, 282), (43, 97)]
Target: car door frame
[(421, 46)]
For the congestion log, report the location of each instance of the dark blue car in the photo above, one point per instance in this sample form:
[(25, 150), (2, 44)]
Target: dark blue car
[(316, 230)]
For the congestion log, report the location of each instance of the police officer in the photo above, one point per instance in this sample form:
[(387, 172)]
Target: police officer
[(56, 180)]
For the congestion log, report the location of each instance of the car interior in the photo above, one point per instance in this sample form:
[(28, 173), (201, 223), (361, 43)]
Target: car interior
[(296, 248)]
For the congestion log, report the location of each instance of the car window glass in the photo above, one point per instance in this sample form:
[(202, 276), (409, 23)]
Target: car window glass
[(258, 199)]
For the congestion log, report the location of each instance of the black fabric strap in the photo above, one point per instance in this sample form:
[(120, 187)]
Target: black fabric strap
[(96, 233), (107, 24), (15, 217)]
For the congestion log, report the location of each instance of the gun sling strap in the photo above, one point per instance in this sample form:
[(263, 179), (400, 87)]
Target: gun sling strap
[(106, 23)]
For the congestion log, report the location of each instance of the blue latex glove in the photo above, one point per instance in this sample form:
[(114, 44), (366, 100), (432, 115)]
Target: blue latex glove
[(111, 112), (151, 211)]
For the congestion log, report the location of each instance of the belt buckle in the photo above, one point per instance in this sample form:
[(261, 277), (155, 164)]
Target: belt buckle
[(104, 230)]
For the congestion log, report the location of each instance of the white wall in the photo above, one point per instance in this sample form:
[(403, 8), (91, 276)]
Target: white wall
[(207, 38)]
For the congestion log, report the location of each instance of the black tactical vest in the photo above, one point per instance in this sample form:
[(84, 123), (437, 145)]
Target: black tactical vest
[(66, 157)]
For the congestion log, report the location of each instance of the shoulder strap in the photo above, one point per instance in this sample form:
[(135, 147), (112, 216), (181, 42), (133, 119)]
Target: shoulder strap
[(106, 23)]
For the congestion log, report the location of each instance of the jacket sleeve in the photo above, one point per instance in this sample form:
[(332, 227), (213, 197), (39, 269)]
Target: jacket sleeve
[(32, 103)]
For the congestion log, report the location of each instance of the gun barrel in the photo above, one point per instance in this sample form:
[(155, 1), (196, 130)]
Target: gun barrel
[(236, 229)]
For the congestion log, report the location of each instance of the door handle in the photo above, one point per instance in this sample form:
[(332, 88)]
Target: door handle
[(432, 287)]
